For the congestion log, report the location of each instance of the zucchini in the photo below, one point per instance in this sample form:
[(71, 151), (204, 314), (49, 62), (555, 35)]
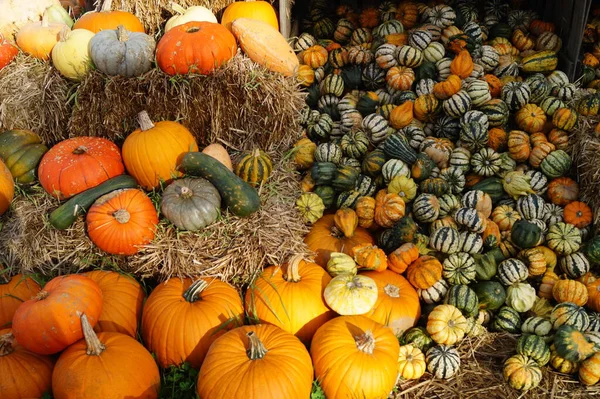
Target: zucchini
[(66, 214), (241, 199)]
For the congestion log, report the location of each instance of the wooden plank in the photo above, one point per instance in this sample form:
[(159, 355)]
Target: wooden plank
[(284, 18)]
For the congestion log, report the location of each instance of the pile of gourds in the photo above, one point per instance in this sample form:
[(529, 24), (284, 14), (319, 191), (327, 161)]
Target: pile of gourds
[(114, 42), (435, 149), (591, 58)]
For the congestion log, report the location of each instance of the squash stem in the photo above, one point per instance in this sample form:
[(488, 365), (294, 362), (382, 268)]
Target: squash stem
[(291, 273), (144, 121), (6, 344), (192, 294), (94, 346), (41, 295), (64, 33), (122, 34), (365, 342), (122, 216), (177, 8), (392, 291), (256, 350), (80, 150), (186, 193)]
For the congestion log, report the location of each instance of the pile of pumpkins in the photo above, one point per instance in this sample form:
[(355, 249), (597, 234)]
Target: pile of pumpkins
[(591, 52), (109, 186), (114, 42), (435, 154)]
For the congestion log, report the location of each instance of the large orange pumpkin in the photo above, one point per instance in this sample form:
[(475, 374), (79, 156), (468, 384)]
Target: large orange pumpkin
[(77, 164), (256, 362), (258, 10), (105, 19), (13, 292), (7, 188), (195, 47), (24, 373), (123, 298), (152, 153), (109, 365), (49, 322), (397, 304), (355, 357), (122, 221), (324, 238), (291, 297), (182, 318)]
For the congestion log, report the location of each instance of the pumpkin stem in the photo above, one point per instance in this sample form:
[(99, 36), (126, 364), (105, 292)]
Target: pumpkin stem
[(106, 6), (80, 150), (185, 192), (6, 344), (145, 121), (256, 350), (365, 342), (291, 273), (193, 29), (41, 295), (336, 232), (94, 346), (64, 33), (192, 294), (122, 34), (177, 8), (122, 216), (392, 290)]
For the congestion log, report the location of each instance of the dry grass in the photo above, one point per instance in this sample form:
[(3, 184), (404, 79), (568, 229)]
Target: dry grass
[(480, 376), (233, 249), (241, 105), (34, 96)]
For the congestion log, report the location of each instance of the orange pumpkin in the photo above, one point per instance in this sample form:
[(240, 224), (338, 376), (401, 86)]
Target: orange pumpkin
[(105, 19), (407, 12), (402, 115), (530, 118), (562, 191), (400, 78), (77, 164), (403, 256), (49, 322), (537, 27), (424, 272), (258, 10), (25, 374), (564, 119), (369, 18), (522, 41), (182, 318), (538, 138), (397, 39), (578, 213), (107, 365), (314, 56), (549, 280), (389, 208), (497, 138), (559, 138), (539, 153), (122, 299), (519, 146), (346, 220), (462, 65), (122, 221), (472, 179), (397, 305), (38, 38), (590, 60), (570, 291), (13, 292), (152, 153), (369, 257), (8, 52), (324, 238), (447, 88), (495, 85), (290, 296), (253, 351), (365, 210), (306, 75), (491, 230), (593, 292), (7, 188)]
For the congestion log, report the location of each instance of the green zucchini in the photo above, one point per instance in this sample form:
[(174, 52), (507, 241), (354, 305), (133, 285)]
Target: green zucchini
[(241, 199), (66, 214)]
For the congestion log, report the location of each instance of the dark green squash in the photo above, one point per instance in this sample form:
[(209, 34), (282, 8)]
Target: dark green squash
[(525, 234), (592, 250), (241, 199), (427, 70), (21, 152), (500, 30), (313, 95), (534, 347), (463, 298), (323, 173), (571, 344), (491, 294), (507, 319), (345, 178), (373, 162), (485, 266), (352, 76), (327, 194), (423, 168), (418, 337), (492, 186), (396, 146)]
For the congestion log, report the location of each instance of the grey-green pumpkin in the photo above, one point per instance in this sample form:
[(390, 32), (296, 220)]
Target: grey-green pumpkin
[(123, 53), (191, 204)]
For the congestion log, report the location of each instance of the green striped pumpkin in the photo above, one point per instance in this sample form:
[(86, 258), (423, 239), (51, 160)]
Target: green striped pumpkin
[(551, 104), (365, 186), (455, 178), (323, 173), (534, 347), (304, 41), (556, 164), (343, 31), (393, 168), (460, 158), (479, 92), (361, 36), (321, 128), (376, 128), (526, 234), (537, 325), (474, 136), (355, 144), (574, 265), (434, 52), (563, 238), (471, 243), (463, 298), (511, 271), (396, 146), (565, 93), (353, 163), (373, 162), (323, 28), (548, 41), (542, 61), (459, 268), (470, 219), (491, 294), (516, 95), (328, 104), (388, 28), (345, 178), (409, 56), (426, 208), (457, 105), (327, 194), (254, 167), (434, 185), (420, 39), (446, 240), (347, 199), (497, 112), (442, 361), (594, 322), (447, 127), (488, 58), (531, 206), (417, 337), (373, 76), (443, 68), (333, 84), (486, 162), (507, 69), (434, 294), (328, 152), (540, 89), (385, 56), (507, 319), (569, 314), (449, 203)]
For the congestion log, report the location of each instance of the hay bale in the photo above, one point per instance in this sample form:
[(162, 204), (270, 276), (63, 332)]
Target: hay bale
[(34, 96), (241, 105), (234, 249), (480, 376)]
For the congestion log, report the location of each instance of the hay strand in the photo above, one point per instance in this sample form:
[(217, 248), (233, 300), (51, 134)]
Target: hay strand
[(34, 96), (241, 105), (233, 249)]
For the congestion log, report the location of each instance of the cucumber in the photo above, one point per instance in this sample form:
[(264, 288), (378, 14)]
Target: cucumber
[(241, 199), (66, 214)]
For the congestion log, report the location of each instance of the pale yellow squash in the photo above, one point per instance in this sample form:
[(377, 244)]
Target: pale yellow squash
[(184, 15), (71, 55), (348, 294)]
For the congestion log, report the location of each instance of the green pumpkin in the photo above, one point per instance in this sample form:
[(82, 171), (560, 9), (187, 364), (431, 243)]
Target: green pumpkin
[(491, 294), (367, 104), (589, 105), (463, 298), (525, 234), (373, 162), (323, 173), (534, 347), (21, 151), (485, 266), (569, 314), (397, 146), (539, 326), (592, 250), (492, 186), (352, 76), (355, 144), (427, 70), (571, 344), (347, 199), (327, 194), (403, 231), (500, 30), (345, 178), (254, 167), (556, 164), (418, 337), (313, 95), (507, 319), (422, 169)]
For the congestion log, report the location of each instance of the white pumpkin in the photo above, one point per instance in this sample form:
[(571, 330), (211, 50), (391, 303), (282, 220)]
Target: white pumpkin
[(520, 297), (71, 55), (195, 13), (16, 13)]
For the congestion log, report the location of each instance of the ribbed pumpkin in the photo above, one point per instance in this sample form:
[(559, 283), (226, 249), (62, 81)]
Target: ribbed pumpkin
[(424, 272), (39, 38), (290, 296), (593, 294), (13, 292), (122, 299), (182, 318), (77, 164), (256, 10), (578, 213), (397, 303), (121, 368), (389, 208), (403, 256), (7, 188), (446, 325), (24, 373), (563, 190), (371, 348), (152, 153), (105, 19), (251, 351), (122, 221), (254, 167), (462, 65), (21, 151), (447, 88)]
